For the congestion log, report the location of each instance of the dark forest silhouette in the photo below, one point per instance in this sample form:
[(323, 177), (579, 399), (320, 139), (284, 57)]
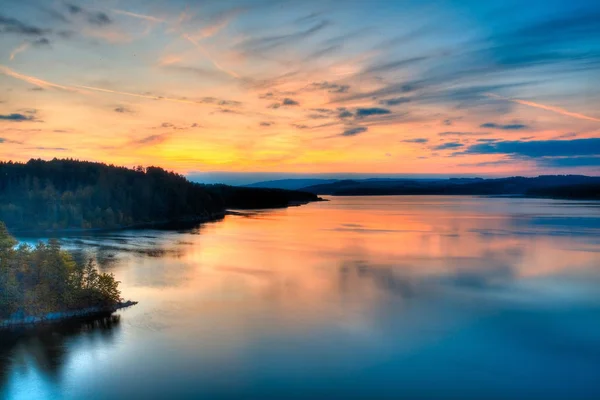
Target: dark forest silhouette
[(553, 186), (70, 194)]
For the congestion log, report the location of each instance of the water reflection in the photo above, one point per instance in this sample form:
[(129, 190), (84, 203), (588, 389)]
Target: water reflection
[(43, 351), (352, 298)]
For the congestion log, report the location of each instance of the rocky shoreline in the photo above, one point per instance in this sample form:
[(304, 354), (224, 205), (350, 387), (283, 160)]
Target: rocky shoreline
[(64, 315)]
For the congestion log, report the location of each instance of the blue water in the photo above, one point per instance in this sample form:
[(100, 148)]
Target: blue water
[(356, 298)]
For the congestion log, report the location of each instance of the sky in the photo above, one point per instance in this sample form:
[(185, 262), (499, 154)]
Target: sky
[(276, 87)]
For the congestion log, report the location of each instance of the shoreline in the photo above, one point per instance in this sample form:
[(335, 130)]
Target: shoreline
[(142, 225), (91, 312), (164, 224), (55, 317)]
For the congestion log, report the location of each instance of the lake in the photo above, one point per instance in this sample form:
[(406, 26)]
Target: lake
[(356, 298)]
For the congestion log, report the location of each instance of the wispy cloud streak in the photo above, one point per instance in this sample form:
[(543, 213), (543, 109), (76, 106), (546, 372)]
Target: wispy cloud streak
[(77, 88), (554, 109), (139, 16), (20, 49), (209, 57), (33, 80)]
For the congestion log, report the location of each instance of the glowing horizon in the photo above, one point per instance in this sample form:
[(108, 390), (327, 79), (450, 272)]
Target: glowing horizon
[(313, 87)]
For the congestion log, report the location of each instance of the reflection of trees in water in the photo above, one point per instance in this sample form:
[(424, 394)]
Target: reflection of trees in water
[(44, 348), (352, 276), (492, 271)]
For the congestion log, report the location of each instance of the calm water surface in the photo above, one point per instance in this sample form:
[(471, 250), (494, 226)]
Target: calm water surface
[(361, 297)]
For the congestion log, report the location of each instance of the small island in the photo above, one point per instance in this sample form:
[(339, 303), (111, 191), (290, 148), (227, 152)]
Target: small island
[(45, 283)]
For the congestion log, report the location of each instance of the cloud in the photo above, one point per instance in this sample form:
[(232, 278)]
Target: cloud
[(394, 101), (151, 140), (562, 39), (487, 140), (97, 18), (367, 112), (230, 103), (394, 65), (508, 127), (415, 140), (318, 116), (270, 42), (206, 73), (345, 113), (139, 16), (17, 117), (216, 23), (325, 51), (12, 25), (488, 163), (73, 9), (540, 148), (48, 148), (463, 133), (41, 42), (221, 102), (4, 140), (354, 131), (566, 162), (448, 146), (206, 54), (33, 80), (53, 14), (331, 87), (20, 49), (553, 109), (289, 102)]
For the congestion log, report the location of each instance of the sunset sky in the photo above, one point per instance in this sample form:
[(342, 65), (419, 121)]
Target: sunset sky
[(381, 86)]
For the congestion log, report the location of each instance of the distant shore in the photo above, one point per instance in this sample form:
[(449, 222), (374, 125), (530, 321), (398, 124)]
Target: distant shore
[(509, 196), (49, 318)]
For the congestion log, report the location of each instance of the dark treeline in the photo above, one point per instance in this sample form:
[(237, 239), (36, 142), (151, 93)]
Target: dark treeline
[(556, 186), (587, 191), (71, 194), (35, 281)]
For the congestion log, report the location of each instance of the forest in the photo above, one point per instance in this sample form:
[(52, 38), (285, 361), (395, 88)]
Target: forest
[(72, 195), (576, 187), (44, 279)]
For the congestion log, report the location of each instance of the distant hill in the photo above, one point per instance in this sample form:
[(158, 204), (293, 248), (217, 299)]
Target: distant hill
[(73, 195), (556, 186), (290, 184)]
